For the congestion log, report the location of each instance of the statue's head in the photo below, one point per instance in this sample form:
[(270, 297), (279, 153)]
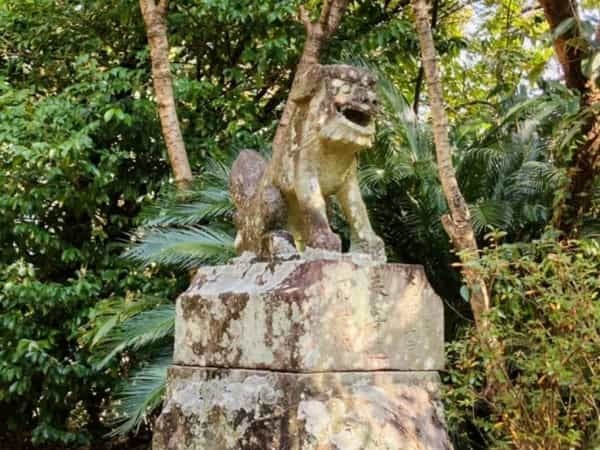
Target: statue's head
[(343, 102)]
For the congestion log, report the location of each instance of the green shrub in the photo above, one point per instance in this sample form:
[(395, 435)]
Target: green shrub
[(73, 179), (545, 319)]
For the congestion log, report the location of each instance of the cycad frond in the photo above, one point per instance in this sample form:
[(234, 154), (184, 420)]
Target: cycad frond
[(138, 396), (217, 172), (374, 175), (206, 201), (535, 213), (534, 179), (136, 332), (402, 120), (212, 204), (109, 313), (185, 248), (370, 178), (490, 214)]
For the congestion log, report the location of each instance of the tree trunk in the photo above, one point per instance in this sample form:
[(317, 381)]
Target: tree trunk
[(584, 166), (421, 73), (154, 13), (458, 223), (317, 34), (569, 56)]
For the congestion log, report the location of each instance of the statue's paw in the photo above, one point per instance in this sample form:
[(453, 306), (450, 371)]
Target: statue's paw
[(373, 246), (326, 241), (279, 245)]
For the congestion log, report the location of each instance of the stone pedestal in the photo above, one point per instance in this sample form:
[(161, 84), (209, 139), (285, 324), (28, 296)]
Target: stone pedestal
[(311, 354)]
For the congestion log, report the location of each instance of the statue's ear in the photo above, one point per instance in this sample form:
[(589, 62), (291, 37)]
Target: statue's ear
[(309, 84)]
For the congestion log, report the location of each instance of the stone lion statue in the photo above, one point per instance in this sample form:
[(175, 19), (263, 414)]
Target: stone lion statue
[(282, 204)]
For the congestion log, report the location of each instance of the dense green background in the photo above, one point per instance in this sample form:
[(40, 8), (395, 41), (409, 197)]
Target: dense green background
[(83, 164)]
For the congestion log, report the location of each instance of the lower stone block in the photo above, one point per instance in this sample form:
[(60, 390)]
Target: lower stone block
[(227, 409)]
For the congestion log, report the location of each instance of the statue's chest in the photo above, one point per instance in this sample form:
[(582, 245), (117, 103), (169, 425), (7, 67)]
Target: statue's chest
[(333, 169)]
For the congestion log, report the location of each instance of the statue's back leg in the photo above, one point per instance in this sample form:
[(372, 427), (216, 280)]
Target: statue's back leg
[(261, 215), (244, 181)]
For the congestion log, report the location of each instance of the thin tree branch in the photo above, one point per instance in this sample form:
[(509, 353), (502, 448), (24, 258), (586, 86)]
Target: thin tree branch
[(163, 6), (156, 29), (458, 223), (316, 36), (419, 82), (336, 12), (325, 10), (304, 18)]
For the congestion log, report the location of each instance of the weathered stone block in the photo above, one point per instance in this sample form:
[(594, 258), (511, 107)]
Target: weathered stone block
[(337, 314), (220, 409)]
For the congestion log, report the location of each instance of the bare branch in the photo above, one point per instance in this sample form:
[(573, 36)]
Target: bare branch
[(569, 56), (163, 6), (156, 29), (457, 224), (326, 9), (317, 35), (338, 7), (304, 18), (419, 82)]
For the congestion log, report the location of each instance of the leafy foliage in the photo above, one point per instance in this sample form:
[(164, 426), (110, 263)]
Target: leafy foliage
[(139, 396), (80, 154), (504, 170), (136, 332), (190, 229), (546, 319), (185, 248), (82, 166), (42, 364)]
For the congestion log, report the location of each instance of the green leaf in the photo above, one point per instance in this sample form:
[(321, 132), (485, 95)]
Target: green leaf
[(108, 115), (564, 27), (136, 332), (464, 293), (592, 66), (185, 248), (138, 397)]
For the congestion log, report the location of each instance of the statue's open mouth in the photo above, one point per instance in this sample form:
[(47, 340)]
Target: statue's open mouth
[(354, 115)]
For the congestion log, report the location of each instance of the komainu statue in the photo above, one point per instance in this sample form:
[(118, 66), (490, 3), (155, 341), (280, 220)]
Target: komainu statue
[(282, 204)]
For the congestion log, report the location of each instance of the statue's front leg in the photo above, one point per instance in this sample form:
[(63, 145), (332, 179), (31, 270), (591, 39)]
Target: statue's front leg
[(363, 238), (313, 211)]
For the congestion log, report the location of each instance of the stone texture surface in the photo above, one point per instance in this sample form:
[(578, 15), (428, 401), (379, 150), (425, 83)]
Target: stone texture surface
[(311, 315), (220, 409)]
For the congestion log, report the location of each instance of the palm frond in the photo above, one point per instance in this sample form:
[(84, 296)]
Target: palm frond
[(535, 213), (138, 331), (212, 204), (216, 174), (534, 179), (403, 122), (111, 312), (371, 177), (394, 170), (138, 396), (185, 248), (207, 200), (490, 214)]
